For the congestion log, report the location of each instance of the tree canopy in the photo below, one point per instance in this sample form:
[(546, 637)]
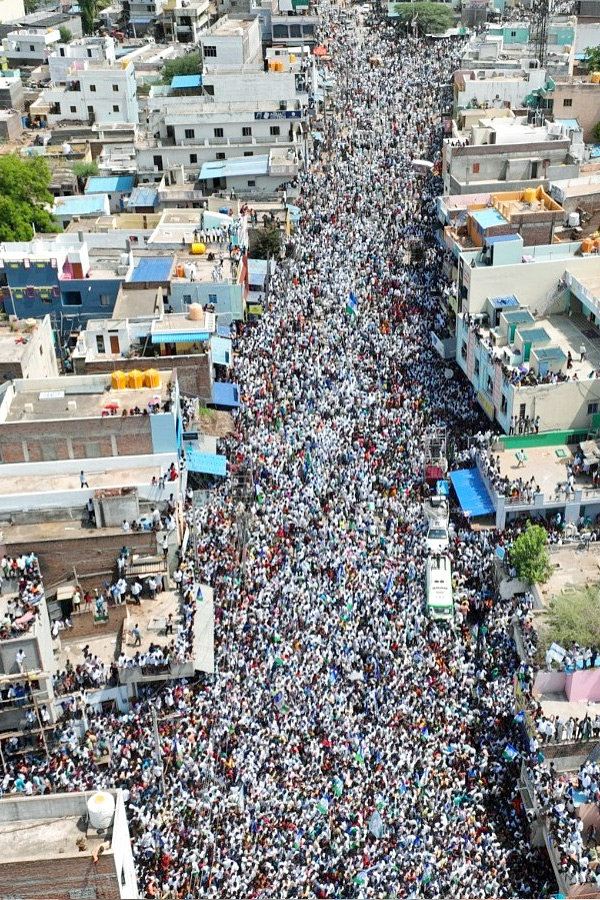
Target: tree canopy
[(23, 197), (529, 555), (266, 242), (425, 17), (190, 64), (592, 58)]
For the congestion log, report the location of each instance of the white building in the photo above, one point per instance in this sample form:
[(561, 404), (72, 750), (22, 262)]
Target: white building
[(96, 92), (64, 56), (140, 15), (29, 46), (185, 20), (232, 42)]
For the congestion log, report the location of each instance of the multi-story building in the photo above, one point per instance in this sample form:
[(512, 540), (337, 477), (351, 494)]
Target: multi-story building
[(27, 350), (53, 857), (29, 46), (64, 56), (185, 20), (26, 657), (94, 92), (140, 16), (61, 278), (510, 154), (116, 187), (232, 42)]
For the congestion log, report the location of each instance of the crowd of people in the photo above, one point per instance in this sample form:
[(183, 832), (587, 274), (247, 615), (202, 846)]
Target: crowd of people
[(347, 745)]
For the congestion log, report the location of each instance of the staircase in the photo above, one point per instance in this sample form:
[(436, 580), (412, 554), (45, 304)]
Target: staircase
[(554, 295)]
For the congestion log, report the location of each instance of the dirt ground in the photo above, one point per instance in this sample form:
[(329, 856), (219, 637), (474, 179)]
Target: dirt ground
[(215, 422)]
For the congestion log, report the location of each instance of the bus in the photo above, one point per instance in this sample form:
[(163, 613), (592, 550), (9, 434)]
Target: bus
[(439, 598)]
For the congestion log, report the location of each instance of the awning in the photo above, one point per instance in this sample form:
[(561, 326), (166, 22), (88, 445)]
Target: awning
[(225, 394), (472, 493), (206, 463), (179, 337)]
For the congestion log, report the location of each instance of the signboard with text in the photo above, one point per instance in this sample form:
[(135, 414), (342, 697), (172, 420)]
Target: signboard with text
[(279, 114)]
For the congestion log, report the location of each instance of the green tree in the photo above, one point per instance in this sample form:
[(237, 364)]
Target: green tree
[(24, 198), (597, 131), (66, 35), (88, 11), (591, 58), (266, 242), (529, 555), (83, 170), (425, 17), (190, 64)]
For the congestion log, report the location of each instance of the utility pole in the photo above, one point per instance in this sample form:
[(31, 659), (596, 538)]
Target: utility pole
[(157, 749)]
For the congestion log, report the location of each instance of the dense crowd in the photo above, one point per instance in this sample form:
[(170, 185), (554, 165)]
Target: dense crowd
[(347, 746)]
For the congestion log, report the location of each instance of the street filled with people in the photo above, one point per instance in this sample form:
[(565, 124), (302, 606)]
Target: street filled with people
[(347, 745)]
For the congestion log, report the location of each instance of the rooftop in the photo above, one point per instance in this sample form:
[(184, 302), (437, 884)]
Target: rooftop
[(81, 205), (74, 397), (14, 339), (235, 167), (109, 184), (152, 269), (226, 27), (140, 303)]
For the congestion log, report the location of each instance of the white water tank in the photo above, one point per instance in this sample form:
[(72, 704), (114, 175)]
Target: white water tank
[(101, 809)]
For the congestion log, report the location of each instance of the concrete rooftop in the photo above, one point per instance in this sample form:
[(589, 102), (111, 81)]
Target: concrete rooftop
[(38, 839)]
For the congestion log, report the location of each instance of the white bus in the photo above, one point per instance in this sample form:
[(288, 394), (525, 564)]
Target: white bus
[(439, 600)]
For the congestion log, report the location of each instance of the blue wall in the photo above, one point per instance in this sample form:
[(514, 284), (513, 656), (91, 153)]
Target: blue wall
[(228, 299), (35, 291)]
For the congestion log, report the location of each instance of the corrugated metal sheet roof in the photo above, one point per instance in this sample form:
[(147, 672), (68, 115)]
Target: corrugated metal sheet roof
[(143, 195), (179, 337), (237, 165), (186, 81), (152, 268)]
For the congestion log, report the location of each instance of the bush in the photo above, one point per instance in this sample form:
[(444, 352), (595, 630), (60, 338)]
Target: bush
[(529, 555), (574, 617)]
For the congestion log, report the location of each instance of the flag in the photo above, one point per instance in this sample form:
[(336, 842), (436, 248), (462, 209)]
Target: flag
[(361, 878), (376, 824), (509, 753), (390, 583), (338, 786), (323, 805), (520, 717), (352, 304), (358, 756)]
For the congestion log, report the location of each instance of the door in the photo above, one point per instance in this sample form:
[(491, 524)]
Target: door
[(526, 351), (114, 343)]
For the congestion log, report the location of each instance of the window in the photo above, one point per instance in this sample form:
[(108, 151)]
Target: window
[(490, 385), (157, 161), (104, 299), (220, 155), (187, 298), (246, 131), (476, 367), (31, 47), (100, 343), (522, 410), (115, 87), (189, 133), (89, 53), (209, 90), (463, 350), (212, 298), (475, 168), (513, 34), (251, 183), (193, 158), (592, 408), (93, 88), (295, 31), (73, 109), (62, 51), (210, 51), (275, 129), (248, 153), (72, 298), (116, 107), (503, 404), (218, 132), (567, 101)]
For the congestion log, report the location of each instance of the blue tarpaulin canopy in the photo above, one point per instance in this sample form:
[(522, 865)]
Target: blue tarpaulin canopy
[(225, 394), (179, 337), (471, 492), (206, 463)]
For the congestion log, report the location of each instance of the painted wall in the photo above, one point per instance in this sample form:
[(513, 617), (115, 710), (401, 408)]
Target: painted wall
[(583, 685), (227, 298)]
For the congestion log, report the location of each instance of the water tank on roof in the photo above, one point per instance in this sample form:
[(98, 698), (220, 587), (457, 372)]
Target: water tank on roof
[(196, 313), (198, 249), (118, 380), (595, 77), (151, 378), (529, 195), (101, 810), (136, 379)]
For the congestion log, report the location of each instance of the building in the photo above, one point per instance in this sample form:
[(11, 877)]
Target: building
[(117, 188), (232, 42), (11, 10), (509, 154), (26, 656), (64, 56), (11, 93), (140, 16), (248, 175), (185, 20), (29, 46), (27, 350), (482, 88), (100, 92), (70, 851), (75, 207), (61, 278), (577, 99)]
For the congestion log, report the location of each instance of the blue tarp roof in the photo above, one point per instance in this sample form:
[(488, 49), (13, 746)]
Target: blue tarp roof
[(471, 492), (179, 337), (237, 165), (81, 205), (225, 394), (486, 218), (503, 302), (152, 268), (186, 81), (206, 463), (110, 184), (143, 195)]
